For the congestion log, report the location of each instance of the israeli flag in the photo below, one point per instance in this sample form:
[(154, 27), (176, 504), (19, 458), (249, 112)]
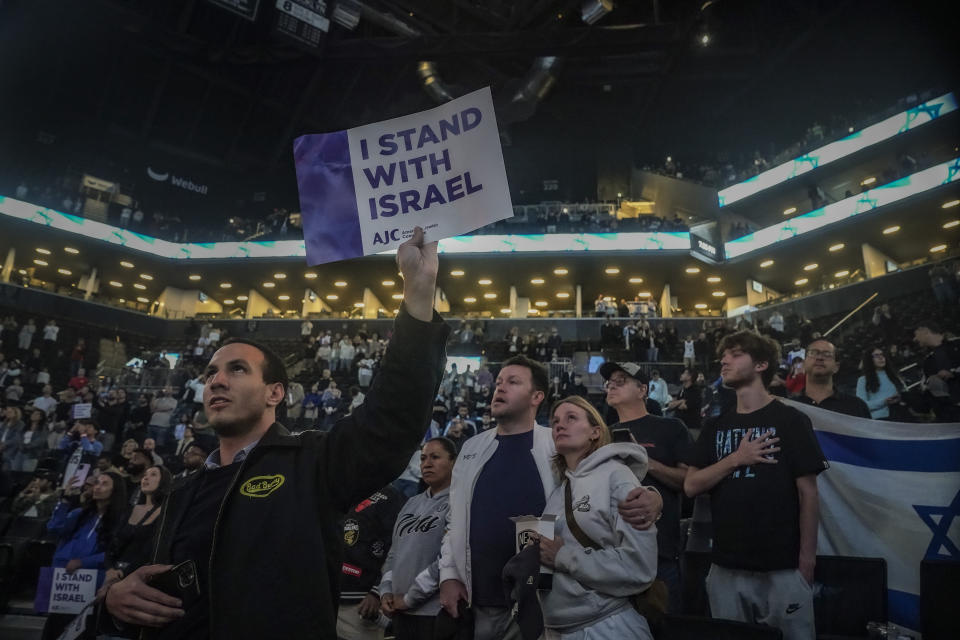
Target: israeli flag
[(892, 491)]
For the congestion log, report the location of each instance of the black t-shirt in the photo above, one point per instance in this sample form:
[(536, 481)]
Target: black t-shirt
[(668, 442), (839, 402), (944, 357), (755, 509), (694, 397), (193, 540)]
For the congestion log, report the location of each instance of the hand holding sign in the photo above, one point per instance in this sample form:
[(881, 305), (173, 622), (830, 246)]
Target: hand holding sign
[(419, 265)]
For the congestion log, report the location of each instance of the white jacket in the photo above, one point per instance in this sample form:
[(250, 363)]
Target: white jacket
[(455, 552), (591, 584)]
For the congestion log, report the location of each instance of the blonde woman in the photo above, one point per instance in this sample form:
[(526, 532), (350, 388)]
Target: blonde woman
[(599, 560)]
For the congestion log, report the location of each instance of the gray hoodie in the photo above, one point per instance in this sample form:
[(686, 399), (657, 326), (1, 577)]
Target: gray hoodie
[(412, 565), (588, 584)]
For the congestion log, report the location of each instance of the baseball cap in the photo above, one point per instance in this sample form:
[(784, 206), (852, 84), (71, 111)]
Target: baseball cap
[(632, 369)]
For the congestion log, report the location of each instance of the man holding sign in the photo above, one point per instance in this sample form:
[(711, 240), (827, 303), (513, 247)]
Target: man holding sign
[(254, 535), (363, 190)]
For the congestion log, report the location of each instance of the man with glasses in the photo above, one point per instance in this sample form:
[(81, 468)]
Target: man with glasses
[(668, 443), (820, 365)]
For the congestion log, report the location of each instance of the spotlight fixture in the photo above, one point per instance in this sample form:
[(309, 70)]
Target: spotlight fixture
[(593, 10)]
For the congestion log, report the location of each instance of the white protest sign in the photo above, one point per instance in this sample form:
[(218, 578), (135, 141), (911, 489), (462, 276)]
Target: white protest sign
[(363, 190), (82, 410), (70, 592)]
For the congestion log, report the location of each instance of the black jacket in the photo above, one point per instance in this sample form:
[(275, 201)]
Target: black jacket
[(276, 558), (367, 534)]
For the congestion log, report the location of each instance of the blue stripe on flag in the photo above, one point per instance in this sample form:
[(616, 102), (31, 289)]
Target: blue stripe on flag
[(904, 609), (931, 456)]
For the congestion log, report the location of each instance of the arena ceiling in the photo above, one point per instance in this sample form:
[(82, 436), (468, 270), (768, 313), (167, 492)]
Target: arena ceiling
[(194, 79)]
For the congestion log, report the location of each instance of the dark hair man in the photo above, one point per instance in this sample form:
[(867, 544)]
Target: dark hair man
[(821, 364), (668, 444), (689, 400), (941, 367), (501, 473), (759, 463), (260, 523)]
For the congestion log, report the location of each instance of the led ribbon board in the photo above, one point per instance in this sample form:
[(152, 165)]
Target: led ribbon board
[(543, 243), (896, 191), (892, 126)]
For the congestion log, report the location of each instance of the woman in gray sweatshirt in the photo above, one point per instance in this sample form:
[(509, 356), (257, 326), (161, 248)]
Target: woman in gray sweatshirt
[(590, 597), (410, 587)]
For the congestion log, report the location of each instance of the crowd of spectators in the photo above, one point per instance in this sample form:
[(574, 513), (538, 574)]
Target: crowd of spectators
[(92, 461), (281, 223), (726, 169)]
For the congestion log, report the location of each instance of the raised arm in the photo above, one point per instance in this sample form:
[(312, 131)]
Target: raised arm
[(370, 447)]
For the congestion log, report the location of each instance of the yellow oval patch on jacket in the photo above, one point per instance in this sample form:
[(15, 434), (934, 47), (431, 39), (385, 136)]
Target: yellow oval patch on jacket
[(261, 486)]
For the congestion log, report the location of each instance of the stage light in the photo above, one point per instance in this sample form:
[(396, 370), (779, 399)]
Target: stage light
[(592, 11), (837, 247), (766, 263)]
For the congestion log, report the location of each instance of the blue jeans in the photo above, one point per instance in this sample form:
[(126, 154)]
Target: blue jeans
[(668, 570), (408, 488), (159, 434)]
